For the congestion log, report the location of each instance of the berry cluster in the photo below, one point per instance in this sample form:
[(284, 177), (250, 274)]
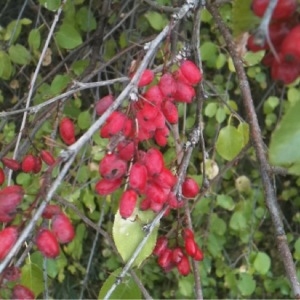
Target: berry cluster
[(284, 34), (177, 256), (149, 117)]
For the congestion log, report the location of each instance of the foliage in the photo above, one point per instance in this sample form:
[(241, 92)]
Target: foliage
[(230, 218)]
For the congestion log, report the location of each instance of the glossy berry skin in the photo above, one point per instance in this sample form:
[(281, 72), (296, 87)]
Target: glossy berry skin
[(191, 72), (127, 203), (146, 78), (112, 167), (11, 163), (2, 176), (283, 10), (62, 228), (170, 112), (177, 255), (22, 292), (37, 165), (8, 237), (198, 255), (184, 92), (183, 266), (190, 188), (105, 186), (154, 95), (161, 245), (47, 243), (50, 211), (190, 246), (47, 157), (126, 149), (138, 177), (154, 161), (10, 198), (165, 259), (103, 104), (167, 85), (28, 163), (67, 131), (290, 47)]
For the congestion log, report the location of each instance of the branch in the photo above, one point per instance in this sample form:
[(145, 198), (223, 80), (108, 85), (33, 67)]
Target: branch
[(265, 170)]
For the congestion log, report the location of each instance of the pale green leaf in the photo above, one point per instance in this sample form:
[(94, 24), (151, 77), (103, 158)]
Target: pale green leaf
[(262, 263), (230, 142), (34, 39), (68, 37), (246, 284), (238, 221), (85, 19), (225, 201), (84, 120), (32, 277), (5, 66), (156, 20), (59, 83), (128, 233), (19, 54), (127, 289), (211, 109)]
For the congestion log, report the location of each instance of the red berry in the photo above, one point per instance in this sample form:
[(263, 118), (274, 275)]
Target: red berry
[(161, 136), (290, 47), (165, 259), (2, 176), (156, 193), (166, 178), (12, 273), (10, 198), (8, 237), (114, 124), (21, 292), (161, 245), (47, 157), (103, 104), (50, 211), (67, 131), (167, 85), (170, 111), (190, 246), (184, 92), (146, 78), (183, 266), (154, 95), (177, 255), (105, 186), (149, 111), (198, 254), (127, 203), (154, 161), (47, 243), (138, 177), (283, 10), (187, 233), (191, 72), (37, 165), (145, 204), (112, 167), (11, 163), (28, 163), (190, 188), (62, 228), (126, 149), (173, 201)]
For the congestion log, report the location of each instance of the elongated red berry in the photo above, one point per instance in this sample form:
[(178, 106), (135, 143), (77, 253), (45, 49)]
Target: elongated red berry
[(47, 243), (47, 157), (190, 246), (8, 237), (37, 165), (67, 131), (62, 228), (11, 163), (112, 167), (190, 188), (126, 149), (161, 136), (183, 266), (50, 211), (167, 85), (198, 254), (191, 72), (138, 177), (170, 111), (154, 161), (177, 255), (187, 233), (10, 198), (165, 178), (290, 50), (22, 292), (165, 259), (154, 95), (105, 186), (2, 176), (127, 203), (28, 163), (184, 92), (161, 245), (114, 124), (146, 78), (103, 104)]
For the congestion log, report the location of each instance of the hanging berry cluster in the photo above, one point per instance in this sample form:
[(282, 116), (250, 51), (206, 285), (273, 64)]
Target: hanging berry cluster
[(284, 34), (149, 182)]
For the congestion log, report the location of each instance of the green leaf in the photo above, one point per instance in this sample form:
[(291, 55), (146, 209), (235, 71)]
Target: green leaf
[(262, 263), (34, 39), (89, 200), (128, 233), (238, 221), (225, 202), (243, 129), (293, 95), (85, 19), (5, 66), (13, 31), (243, 19), (297, 249), (79, 66), (211, 109), (217, 225), (59, 83), (230, 142), (68, 37), (84, 120), (209, 53), (127, 289), (221, 114), (285, 140), (156, 20), (246, 284), (32, 277), (253, 58), (52, 5), (19, 54)]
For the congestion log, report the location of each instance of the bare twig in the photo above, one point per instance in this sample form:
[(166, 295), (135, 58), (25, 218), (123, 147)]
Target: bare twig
[(265, 170)]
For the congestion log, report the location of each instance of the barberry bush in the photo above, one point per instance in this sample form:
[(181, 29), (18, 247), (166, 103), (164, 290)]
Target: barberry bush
[(149, 149)]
